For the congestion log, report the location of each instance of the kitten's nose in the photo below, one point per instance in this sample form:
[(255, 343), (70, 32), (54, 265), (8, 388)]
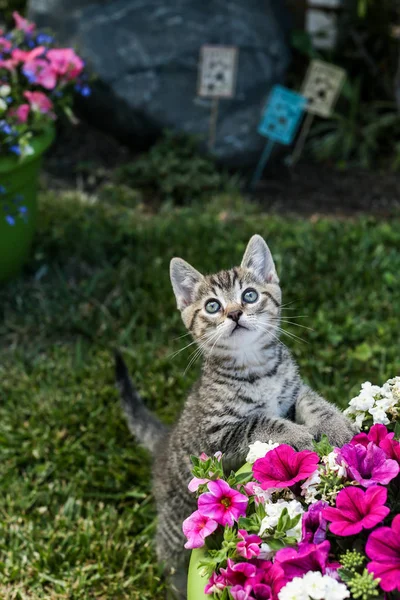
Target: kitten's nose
[(235, 315)]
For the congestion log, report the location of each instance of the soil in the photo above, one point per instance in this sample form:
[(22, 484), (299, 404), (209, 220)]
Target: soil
[(85, 158)]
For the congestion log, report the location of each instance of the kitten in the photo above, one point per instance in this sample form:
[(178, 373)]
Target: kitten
[(249, 389)]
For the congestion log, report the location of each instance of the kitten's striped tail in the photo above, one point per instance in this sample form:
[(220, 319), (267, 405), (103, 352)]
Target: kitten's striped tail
[(145, 427)]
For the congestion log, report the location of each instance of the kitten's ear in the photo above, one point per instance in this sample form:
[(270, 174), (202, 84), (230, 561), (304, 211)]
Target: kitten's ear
[(258, 259), (183, 278)]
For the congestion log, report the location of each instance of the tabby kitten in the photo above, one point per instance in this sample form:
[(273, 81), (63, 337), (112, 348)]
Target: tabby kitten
[(249, 389)]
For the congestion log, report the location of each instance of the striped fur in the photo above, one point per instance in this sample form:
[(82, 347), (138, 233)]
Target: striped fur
[(249, 389)]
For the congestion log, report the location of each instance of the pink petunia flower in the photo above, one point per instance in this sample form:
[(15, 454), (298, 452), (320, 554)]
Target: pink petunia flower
[(238, 573), (283, 467), (368, 465), (5, 44), (309, 557), (39, 71), (65, 63), (196, 528), (258, 591), (22, 24), (215, 584), (249, 545), (195, 483), (8, 64), (357, 509), (39, 102), (383, 547), (376, 434), (271, 574), (223, 504), (313, 524), (21, 113)]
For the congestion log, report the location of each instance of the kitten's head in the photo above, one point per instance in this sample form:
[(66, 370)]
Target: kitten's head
[(233, 310)]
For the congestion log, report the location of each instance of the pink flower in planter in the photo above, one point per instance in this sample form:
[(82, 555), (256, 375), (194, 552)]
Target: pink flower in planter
[(194, 483), (258, 591), (357, 509), (23, 24), (239, 573), (39, 71), (21, 113), (196, 528), (9, 64), (223, 504), (283, 467), (271, 574), (314, 524), (383, 547), (39, 102), (65, 62), (368, 465), (215, 584), (249, 545), (5, 44), (309, 557)]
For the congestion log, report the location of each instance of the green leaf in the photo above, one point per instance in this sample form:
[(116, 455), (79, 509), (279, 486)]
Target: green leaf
[(323, 447)]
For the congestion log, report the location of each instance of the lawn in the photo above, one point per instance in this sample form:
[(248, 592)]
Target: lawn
[(77, 517)]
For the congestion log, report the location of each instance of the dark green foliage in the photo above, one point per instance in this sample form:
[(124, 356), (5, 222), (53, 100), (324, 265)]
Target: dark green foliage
[(77, 519), (174, 171), (7, 7)]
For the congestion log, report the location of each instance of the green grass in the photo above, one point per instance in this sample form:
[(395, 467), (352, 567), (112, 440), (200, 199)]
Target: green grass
[(76, 515)]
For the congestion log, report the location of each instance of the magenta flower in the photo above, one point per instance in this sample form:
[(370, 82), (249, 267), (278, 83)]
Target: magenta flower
[(223, 504), (270, 574), (258, 591), (249, 545), (215, 584), (23, 24), (314, 524), (238, 573), (357, 509), (368, 465), (65, 63), (5, 44), (196, 528), (39, 102), (383, 547), (39, 71), (309, 557), (391, 448), (283, 467), (21, 113), (376, 434)]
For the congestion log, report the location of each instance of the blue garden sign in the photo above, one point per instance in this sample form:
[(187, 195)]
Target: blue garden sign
[(282, 115), (279, 123)]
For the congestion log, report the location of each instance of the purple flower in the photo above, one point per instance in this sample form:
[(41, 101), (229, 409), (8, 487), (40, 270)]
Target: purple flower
[(258, 591), (249, 545), (196, 528), (368, 465), (309, 557), (223, 504), (10, 220), (239, 573), (313, 524)]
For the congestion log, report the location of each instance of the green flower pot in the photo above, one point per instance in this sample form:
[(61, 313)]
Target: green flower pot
[(196, 581), (18, 208)]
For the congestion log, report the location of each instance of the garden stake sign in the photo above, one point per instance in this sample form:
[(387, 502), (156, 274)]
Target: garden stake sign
[(217, 78), (321, 87), (279, 123)]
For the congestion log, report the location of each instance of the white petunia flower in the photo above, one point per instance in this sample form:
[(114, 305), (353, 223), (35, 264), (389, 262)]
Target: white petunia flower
[(309, 488), (274, 512), (314, 586), (5, 90), (266, 552), (379, 416), (332, 464), (3, 105), (259, 450)]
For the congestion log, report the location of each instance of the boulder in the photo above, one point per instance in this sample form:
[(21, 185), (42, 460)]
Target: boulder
[(145, 54)]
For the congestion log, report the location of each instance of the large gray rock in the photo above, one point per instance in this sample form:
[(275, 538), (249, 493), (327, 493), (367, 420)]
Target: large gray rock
[(145, 53)]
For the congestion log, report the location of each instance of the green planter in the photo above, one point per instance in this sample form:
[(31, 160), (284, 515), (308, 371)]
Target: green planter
[(18, 192), (197, 582)]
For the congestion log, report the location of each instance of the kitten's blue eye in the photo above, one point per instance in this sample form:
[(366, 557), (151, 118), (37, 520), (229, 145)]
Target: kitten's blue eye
[(250, 296), (212, 306)]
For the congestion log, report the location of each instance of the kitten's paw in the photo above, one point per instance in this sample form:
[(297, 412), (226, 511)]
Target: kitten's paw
[(338, 428), (299, 438)]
